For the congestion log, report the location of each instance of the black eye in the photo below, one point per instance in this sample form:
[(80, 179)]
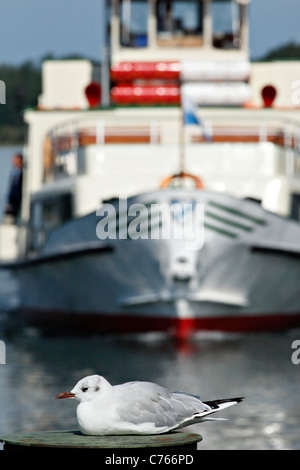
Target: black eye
[(84, 389)]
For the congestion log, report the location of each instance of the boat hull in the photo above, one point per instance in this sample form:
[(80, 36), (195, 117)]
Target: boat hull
[(181, 329), (241, 277)]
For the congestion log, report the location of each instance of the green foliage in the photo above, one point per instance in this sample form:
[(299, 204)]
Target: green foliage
[(23, 85), (289, 51)]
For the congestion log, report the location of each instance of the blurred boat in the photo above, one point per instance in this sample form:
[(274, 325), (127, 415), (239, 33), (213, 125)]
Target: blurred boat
[(133, 221), (235, 270)]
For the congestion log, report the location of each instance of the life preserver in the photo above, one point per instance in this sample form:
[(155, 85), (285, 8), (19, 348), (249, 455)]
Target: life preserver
[(166, 182)]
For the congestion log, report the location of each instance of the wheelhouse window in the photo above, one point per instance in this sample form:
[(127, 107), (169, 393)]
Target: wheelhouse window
[(226, 24), (133, 23), (46, 214), (295, 208), (179, 23)]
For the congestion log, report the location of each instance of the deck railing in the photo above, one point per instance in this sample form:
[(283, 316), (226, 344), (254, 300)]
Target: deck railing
[(62, 143)]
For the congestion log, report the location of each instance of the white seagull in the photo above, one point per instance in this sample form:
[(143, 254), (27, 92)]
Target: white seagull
[(137, 407)]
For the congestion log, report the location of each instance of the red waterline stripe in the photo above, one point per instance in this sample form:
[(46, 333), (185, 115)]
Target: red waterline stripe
[(61, 322)]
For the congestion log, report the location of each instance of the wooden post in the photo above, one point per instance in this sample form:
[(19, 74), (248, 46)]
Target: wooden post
[(173, 441)]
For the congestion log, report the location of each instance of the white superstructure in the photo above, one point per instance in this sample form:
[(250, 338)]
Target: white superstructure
[(243, 157)]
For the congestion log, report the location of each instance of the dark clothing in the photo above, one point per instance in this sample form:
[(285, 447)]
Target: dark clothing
[(15, 192)]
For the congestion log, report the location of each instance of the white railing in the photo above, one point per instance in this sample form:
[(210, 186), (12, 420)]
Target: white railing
[(65, 139)]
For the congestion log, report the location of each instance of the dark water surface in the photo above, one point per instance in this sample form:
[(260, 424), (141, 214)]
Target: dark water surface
[(258, 367)]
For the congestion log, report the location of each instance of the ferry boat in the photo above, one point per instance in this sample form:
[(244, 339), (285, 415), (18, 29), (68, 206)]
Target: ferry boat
[(134, 219)]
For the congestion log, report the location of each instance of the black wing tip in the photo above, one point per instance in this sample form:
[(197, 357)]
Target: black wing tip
[(240, 399), (215, 403), (237, 400)]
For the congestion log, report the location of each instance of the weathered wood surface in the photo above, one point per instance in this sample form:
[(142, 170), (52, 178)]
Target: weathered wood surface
[(74, 439)]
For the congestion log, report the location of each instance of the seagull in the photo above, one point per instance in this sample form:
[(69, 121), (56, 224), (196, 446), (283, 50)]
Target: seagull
[(137, 407)]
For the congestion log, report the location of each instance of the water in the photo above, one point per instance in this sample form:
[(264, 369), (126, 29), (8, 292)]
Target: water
[(257, 366)]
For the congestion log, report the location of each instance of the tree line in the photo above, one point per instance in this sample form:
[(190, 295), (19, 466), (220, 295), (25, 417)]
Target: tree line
[(23, 85), (24, 82), (289, 51)]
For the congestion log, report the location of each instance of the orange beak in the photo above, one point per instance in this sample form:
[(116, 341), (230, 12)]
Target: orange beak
[(64, 395)]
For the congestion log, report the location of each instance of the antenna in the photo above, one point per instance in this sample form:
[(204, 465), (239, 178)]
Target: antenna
[(105, 56), (181, 141)]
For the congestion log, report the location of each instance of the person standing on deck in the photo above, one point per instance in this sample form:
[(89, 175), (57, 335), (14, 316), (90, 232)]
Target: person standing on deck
[(14, 198)]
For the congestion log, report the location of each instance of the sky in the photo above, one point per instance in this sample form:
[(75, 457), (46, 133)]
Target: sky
[(31, 29)]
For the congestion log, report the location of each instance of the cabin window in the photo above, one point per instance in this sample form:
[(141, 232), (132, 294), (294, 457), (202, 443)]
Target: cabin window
[(179, 23), (57, 210), (226, 24), (47, 214), (295, 209), (133, 23)]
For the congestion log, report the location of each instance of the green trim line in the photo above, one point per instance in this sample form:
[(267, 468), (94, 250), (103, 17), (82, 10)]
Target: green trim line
[(238, 213), (246, 228), (221, 231)]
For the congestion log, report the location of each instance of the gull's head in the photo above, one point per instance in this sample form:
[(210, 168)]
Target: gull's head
[(87, 389)]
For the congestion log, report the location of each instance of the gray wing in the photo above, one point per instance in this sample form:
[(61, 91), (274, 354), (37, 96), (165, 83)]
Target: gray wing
[(140, 402)]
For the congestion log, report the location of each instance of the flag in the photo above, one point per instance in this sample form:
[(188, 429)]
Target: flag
[(189, 110), (190, 115)]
